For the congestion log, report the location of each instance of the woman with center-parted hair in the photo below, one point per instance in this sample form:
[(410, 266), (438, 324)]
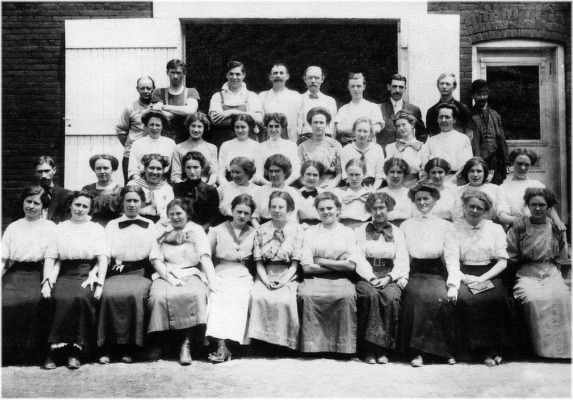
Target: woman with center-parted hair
[(437, 170), (326, 297), (311, 171), (396, 169), (122, 313), (107, 205), (24, 246), (242, 170)]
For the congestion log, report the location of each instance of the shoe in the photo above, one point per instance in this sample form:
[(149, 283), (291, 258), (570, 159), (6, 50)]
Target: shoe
[(126, 359), (154, 353), (73, 362), (488, 361), (223, 354), (417, 362), (451, 361), (185, 354), (497, 360), (382, 359), (105, 359), (50, 363)]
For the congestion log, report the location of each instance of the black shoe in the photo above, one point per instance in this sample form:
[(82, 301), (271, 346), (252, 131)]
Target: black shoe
[(50, 363)]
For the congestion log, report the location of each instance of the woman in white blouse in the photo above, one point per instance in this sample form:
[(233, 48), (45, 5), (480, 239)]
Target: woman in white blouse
[(353, 196), (437, 170), (406, 146), (485, 319), (326, 297), (311, 171), (384, 268), (74, 281), (427, 316), (122, 310), (396, 169), (242, 170), (24, 246)]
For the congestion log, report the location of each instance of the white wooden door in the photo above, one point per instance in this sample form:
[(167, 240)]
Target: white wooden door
[(104, 59)]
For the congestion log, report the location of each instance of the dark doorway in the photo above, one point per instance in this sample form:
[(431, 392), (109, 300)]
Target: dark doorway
[(341, 46)]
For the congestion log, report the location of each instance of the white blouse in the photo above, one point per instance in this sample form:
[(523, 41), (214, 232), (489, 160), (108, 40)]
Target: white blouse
[(495, 192), (233, 148), (514, 191), (228, 191), (481, 244), (83, 241), (404, 207), (306, 209), (224, 246), (353, 203), (28, 241), (428, 236), (121, 241), (262, 201), (329, 243), (285, 147)]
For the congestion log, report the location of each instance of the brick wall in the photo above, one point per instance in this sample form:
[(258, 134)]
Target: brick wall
[(33, 84)]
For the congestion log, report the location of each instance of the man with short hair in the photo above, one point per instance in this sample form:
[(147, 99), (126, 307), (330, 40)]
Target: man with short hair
[(130, 128), (390, 108), (56, 208), (280, 99), (234, 98), (488, 140), (313, 97), (358, 107), (446, 85), (176, 101)]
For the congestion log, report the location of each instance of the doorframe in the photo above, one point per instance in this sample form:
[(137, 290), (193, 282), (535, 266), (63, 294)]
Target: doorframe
[(560, 86)]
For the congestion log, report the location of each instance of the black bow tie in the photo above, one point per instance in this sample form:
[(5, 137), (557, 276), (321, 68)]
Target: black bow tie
[(308, 193), (126, 223)]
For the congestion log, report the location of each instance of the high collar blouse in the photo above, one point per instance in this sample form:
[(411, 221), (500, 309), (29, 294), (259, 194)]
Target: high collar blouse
[(121, 241), (480, 244)]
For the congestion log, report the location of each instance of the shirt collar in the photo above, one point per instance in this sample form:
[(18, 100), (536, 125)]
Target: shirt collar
[(225, 87), (395, 103)]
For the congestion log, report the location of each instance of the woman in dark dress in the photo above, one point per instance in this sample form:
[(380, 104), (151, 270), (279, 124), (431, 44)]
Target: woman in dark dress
[(204, 198)]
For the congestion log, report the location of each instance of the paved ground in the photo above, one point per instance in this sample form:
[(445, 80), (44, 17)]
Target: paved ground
[(292, 377)]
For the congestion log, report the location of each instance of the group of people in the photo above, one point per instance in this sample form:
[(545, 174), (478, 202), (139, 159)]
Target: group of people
[(285, 235)]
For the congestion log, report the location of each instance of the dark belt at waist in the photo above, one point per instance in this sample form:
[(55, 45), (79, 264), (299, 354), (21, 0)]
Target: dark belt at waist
[(432, 266), (128, 266), (26, 266), (476, 270), (77, 267), (380, 266)]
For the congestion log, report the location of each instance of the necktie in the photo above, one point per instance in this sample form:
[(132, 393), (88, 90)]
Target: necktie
[(279, 235), (48, 196), (126, 223), (308, 193), (373, 233)]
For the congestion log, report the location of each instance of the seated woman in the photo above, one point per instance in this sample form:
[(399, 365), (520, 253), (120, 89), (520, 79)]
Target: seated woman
[(406, 146), (241, 146), (485, 318), (353, 197), (198, 125), (311, 172), (476, 171), (204, 198), (277, 252), (326, 297), (24, 246), (514, 187), (232, 245), (158, 193), (181, 256), (155, 123), (275, 123), (107, 205), (122, 313), (370, 153), (242, 171), (427, 314), (278, 168), (437, 170), (322, 148), (396, 169), (384, 268), (74, 281), (538, 247)]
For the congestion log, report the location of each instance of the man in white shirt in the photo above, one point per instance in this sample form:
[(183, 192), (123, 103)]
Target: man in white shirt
[(358, 107), (280, 99), (449, 144), (313, 97)]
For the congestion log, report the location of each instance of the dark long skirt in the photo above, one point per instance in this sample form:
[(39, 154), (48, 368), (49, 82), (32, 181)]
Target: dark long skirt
[(484, 319), (74, 311), (327, 308), (22, 311), (378, 311), (427, 318), (122, 316)]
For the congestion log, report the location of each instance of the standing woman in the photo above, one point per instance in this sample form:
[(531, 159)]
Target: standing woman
[(326, 297), (242, 170), (406, 146), (24, 246), (232, 244), (437, 169), (198, 126), (122, 314), (384, 268), (322, 148), (158, 193), (107, 205), (427, 314), (241, 146), (181, 256), (396, 169), (277, 252), (353, 197), (311, 172), (81, 253), (204, 197), (539, 247), (486, 318)]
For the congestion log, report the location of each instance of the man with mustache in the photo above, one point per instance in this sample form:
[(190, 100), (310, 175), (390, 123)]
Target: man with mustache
[(313, 97), (280, 99), (397, 87), (488, 140), (56, 207), (130, 128), (177, 102)]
